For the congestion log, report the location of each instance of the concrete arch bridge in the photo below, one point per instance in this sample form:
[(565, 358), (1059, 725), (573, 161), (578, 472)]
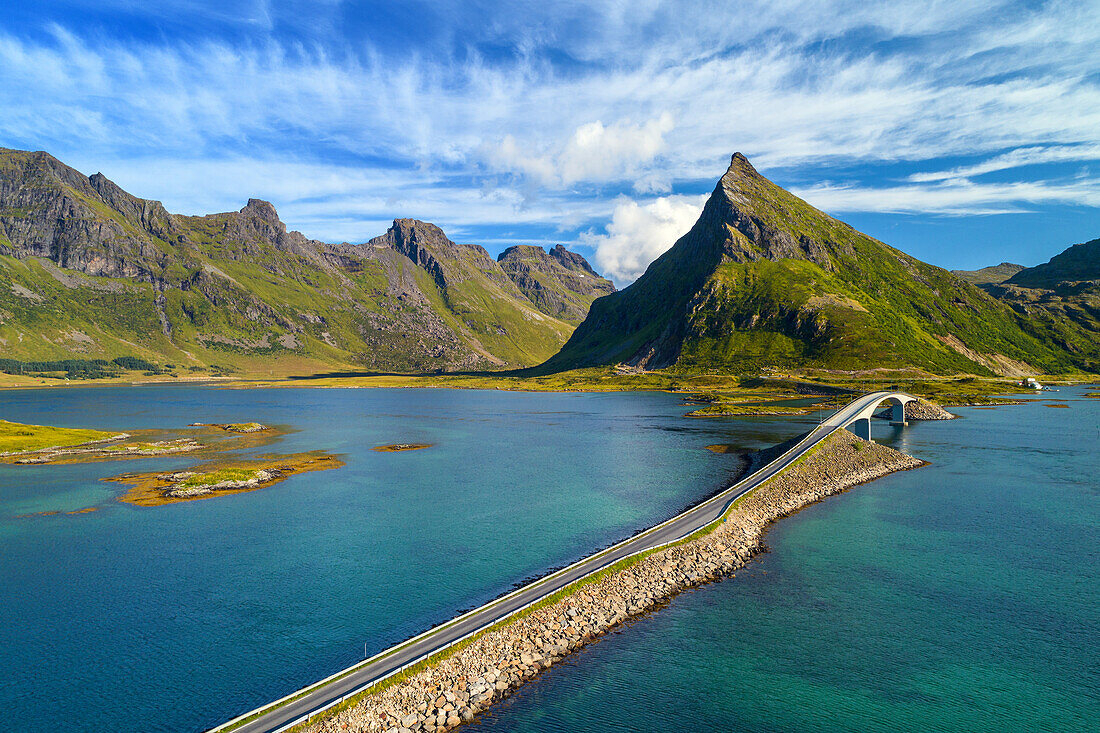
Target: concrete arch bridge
[(857, 414)]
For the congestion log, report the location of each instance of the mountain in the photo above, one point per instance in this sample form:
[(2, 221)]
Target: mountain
[(1060, 298), (559, 282), (88, 271), (987, 275), (765, 279), (1078, 263)]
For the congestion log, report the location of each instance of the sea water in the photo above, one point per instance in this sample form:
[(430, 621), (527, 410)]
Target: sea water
[(962, 596), (178, 617)]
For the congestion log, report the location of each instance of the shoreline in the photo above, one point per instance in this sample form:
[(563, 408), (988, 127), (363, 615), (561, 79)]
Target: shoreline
[(454, 687)]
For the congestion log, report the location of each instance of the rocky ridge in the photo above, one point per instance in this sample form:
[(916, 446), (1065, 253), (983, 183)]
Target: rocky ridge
[(454, 690), (559, 282), (89, 270)]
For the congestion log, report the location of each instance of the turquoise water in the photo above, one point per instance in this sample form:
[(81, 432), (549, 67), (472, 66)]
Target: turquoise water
[(176, 618), (963, 596)]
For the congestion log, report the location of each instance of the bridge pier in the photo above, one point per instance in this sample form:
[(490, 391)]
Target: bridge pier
[(862, 428), (897, 415)]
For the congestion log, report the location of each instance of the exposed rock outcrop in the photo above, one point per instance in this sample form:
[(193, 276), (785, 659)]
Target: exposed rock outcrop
[(561, 283), (926, 410)]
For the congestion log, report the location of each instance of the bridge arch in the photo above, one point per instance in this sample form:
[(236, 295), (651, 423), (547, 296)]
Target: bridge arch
[(860, 421)]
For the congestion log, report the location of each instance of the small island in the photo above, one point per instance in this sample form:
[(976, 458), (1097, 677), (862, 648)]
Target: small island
[(219, 479), (216, 475), (37, 444), (234, 427), (398, 447)]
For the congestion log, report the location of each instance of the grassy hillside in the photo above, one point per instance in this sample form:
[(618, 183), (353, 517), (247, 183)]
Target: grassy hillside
[(989, 275), (765, 279)]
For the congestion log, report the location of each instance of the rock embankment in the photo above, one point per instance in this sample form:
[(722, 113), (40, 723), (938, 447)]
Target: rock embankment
[(455, 689), (925, 410)]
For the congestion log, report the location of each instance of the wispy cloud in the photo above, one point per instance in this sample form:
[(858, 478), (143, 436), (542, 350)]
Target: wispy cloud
[(1015, 159), (545, 113), (953, 198)]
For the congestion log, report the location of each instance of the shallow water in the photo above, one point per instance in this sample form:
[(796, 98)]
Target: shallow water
[(179, 617), (961, 596)]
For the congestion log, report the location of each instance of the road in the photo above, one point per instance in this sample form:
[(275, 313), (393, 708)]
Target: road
[(330, 692)]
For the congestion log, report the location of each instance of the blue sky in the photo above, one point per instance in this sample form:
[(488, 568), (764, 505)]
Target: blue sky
[(964, 133)]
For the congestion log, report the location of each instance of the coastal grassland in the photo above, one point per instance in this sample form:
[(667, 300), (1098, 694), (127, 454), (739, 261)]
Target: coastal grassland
[(715, 393), (19, 438)]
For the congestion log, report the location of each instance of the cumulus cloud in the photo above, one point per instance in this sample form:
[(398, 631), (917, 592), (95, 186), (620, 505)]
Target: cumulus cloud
[(640, 233), (595, 152)]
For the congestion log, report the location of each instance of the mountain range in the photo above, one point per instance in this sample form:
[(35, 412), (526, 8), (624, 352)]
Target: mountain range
[(90, 271), (762, 280)]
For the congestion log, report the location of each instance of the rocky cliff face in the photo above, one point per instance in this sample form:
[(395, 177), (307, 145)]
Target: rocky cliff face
[(561, 283), (765, 279), (86, 224)]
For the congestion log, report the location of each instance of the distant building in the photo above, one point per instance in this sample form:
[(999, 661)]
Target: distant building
[(1032, 383)]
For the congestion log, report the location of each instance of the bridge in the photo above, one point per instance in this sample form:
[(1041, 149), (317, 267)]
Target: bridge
[(857, 415), (300, 706)]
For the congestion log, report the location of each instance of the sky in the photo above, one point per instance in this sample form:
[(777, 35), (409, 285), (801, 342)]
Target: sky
[(965, 133)]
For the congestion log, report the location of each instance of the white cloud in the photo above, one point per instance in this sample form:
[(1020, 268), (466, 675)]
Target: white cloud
[(640, 233), (652, 95), (1014, 159), (956, 198), (594, 153)]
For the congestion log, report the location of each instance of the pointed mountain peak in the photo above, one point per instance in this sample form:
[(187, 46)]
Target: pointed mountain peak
[(739, 163), (741, 176)]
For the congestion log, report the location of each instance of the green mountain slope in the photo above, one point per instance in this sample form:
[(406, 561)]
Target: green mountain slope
[(1077, 263), (1060, 300), (561, 283), (765, 279), (989, 275), (89, 271)]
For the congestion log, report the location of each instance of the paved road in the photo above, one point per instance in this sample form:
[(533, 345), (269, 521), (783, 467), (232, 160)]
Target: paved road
[(322, 696)]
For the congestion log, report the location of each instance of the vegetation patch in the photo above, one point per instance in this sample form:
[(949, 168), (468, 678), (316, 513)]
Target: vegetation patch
[(398, 447), (16, 438), (80, 368), (219, 479)]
